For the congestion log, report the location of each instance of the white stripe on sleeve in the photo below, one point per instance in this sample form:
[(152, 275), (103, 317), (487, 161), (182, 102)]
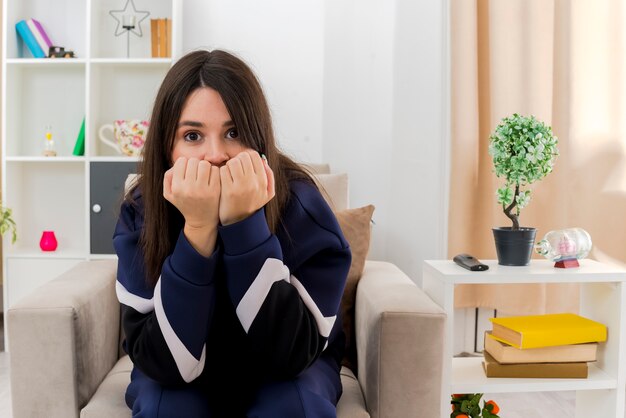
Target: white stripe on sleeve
[(272, 271), (138, 303), (188, 366), (324, 323)]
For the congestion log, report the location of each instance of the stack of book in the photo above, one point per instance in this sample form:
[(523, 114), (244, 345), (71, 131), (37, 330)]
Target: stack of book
[(34, 36), (542, 346)]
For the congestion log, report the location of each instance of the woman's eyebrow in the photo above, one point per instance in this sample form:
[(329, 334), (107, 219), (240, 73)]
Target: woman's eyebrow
[(196, 124), (191, 123)]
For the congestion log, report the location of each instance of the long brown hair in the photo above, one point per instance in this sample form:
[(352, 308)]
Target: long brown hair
[(243, 96)]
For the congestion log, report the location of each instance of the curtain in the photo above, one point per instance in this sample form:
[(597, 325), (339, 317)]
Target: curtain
[(564, 62)]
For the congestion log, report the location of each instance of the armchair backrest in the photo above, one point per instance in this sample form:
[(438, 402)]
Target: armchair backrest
[(334, 186)]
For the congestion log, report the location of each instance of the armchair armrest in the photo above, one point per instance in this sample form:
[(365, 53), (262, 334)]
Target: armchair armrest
[(63, 339), (400, 337)]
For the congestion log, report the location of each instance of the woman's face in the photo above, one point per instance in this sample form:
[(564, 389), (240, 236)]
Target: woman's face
[(205, 130)]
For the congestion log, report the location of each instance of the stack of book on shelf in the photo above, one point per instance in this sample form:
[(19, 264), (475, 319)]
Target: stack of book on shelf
[(34, 36), (161, 37), (542, 346)]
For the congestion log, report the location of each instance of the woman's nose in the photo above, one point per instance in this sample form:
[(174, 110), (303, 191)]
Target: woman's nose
[(215, 152)]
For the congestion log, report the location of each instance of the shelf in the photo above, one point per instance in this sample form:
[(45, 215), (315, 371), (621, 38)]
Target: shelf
[(468, 376), (602, 298), (102, 256), (106, 45), (132, 61), (40, 95), (112, 159), (120, 92), (539, 271), (45, 61), (55, 201), (68, 159), (58, 159), (63, 20), (29, 254), (99, 86)]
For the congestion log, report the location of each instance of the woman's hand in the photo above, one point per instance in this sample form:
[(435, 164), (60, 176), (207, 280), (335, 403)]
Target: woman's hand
[(193, 186), (247, 185)]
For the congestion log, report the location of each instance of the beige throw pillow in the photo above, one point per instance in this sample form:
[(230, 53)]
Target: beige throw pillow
[(356, 227)]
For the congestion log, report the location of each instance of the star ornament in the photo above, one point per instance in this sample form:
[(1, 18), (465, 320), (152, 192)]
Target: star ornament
[(139, 15)]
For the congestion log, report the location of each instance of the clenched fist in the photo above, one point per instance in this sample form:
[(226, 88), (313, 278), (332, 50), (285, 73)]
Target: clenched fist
[(193, 186), (247, 185)]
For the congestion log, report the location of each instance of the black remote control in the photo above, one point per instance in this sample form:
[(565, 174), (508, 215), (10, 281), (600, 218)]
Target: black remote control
[(470, 262)]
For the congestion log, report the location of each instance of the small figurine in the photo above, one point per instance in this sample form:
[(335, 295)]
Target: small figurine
[(49, 150), (567, 249), (59, 52)]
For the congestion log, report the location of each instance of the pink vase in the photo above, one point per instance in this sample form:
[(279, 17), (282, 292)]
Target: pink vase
[(48, 241)]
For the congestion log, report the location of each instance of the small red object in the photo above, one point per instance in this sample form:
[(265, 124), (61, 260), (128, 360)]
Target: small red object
[(565, 264), (48, 241)]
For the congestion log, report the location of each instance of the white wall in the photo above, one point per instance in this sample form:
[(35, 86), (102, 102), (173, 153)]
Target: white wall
[(419, 163), (359, 102), (362, 85), (283, 41)]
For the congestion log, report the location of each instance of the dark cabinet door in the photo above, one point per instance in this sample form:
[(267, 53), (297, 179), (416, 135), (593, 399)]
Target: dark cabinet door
[(107, 192)]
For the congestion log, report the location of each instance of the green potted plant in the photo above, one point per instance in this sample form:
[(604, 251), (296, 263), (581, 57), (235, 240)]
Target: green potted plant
[(7, 223), (523, 150)]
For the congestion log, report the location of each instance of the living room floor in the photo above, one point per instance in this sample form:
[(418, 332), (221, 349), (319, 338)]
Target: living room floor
[(535, 405)]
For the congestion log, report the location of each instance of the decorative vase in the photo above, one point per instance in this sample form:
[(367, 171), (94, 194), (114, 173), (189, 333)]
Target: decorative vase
[(514, 248), (48, 241)]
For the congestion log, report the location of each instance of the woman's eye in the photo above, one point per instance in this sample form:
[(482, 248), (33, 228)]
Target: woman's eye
[(192, 136), (232, 133)]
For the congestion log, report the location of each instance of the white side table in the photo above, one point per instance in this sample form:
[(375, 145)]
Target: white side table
[(602, 298)]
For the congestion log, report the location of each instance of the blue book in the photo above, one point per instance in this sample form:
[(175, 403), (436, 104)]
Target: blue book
[(29, 39)]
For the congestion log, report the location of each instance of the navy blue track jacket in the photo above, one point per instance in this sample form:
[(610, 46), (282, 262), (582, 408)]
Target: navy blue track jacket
[(261, 306)]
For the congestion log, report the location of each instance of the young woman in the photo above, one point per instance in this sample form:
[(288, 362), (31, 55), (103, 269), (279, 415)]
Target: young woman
[(231, 264)]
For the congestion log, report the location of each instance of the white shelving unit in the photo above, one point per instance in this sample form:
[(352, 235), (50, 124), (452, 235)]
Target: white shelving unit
[(101, 85), (603, 298)]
